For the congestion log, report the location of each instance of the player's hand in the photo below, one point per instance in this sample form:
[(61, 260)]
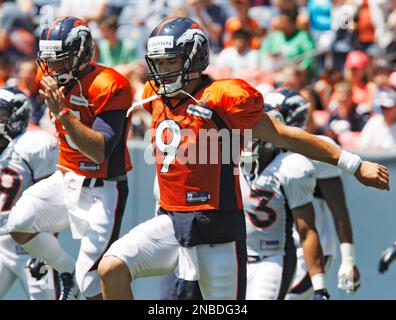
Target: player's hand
[(37, 268), (387, 257), (348, 278), (321, 294), (54, 96), (373, 175)]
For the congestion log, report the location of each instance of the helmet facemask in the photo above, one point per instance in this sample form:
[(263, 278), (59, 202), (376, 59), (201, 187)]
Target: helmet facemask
[(170, 83), (60, 67)]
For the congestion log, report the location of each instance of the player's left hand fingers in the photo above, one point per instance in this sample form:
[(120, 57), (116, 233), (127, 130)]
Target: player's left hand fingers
[(47, 83)]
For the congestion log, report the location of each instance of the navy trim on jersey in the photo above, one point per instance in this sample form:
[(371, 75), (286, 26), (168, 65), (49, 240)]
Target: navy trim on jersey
[(241, 253), (289, 268), (290, 257), (29, 167), (289, 242), (318, 192), (111, 124), (116, 158), (228, 198), (208, 226)]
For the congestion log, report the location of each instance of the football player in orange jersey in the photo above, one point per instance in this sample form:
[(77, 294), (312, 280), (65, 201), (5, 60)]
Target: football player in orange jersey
[(199, 231), (88, 104)]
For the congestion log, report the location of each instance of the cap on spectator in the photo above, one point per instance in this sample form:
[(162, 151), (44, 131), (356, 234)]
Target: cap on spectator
[(385, 98), (356, 59)]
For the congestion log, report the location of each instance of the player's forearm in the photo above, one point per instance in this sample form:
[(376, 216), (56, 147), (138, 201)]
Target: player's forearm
[(296, 140), (304, 219), (88, 141), (332, 190), (313, 254)]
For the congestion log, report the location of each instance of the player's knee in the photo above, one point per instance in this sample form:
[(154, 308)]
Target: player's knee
[(112, 269), (19, 223)]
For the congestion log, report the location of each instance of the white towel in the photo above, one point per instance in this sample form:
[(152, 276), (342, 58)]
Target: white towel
[(188, 268), (78, 217)]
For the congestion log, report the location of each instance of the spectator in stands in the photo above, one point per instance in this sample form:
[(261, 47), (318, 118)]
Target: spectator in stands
[(113, 51), (16, 32), (292, 77), (211, 17), (288, 43), (370, 28), (356, 72), (26, 81), (285, 6), (380, 131), (88, 10), (342, 26), (136, 72), (319, 17), (345, 115), (240, 59), (151, 12), (243, 20), (5, 69), (381, 71)]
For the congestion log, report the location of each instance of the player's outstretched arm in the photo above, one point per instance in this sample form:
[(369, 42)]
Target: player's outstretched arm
[(304, 218), (297, 140), (332, 190)]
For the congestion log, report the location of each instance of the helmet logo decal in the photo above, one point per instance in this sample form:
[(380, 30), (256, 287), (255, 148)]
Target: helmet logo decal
[(159, 44), (191, 35), (73, 35)]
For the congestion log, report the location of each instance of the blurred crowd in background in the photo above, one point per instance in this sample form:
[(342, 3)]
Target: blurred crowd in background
[(340, 54)]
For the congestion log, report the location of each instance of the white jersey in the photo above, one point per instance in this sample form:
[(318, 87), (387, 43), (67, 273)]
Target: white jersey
[(323, 217), (28, 158), (288, 182)]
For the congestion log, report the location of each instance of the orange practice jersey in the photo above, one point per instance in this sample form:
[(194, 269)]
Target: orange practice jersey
[(195, 186), (103, 89)]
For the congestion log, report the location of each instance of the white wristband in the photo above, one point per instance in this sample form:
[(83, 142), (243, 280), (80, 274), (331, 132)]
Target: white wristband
[(349, 162), (318, 281), (347, 254)]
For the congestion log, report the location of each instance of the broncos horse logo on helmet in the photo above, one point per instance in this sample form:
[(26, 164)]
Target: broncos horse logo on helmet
[(292, 106), (65, 46), (15, 111), (177, 37)]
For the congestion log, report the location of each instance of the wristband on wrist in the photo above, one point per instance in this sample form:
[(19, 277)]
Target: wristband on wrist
[(347, 254), (61, 113), (349, 162), (318, 281)]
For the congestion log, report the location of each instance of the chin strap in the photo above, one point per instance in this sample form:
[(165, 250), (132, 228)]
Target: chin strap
[(141, 102), (156, 96)]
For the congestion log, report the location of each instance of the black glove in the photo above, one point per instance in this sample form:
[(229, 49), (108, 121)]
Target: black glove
[(37, 268), (387, 257), (321, 294)]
